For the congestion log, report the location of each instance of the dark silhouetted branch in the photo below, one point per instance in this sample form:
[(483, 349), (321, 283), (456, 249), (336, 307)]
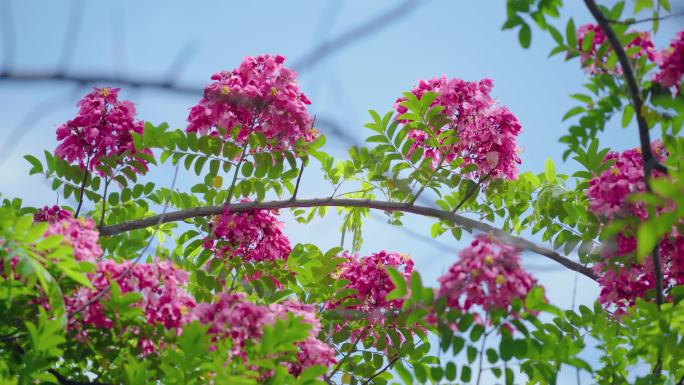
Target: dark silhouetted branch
[(466, 223)]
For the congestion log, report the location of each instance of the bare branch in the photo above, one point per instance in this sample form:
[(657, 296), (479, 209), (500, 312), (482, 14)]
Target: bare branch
[(466, 223), (356, 34)]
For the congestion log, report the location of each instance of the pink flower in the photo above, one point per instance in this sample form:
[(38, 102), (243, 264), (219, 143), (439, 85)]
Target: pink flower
[(671, 64), (163, 299), (254, 236), (242, 321), (51, 214), (487, 132), (595, 64), (102, 128), (621, 278), (487, 276), (79, 233), (369, 277), (262, 95)]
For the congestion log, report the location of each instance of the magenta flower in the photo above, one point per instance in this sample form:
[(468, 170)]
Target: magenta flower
[(671, 64), (164, 300), (487, 276), (595, 64), (102, 128), (262, 95), (487, 132), (235, 318), (254, 236), (79, 233), (621, 278)]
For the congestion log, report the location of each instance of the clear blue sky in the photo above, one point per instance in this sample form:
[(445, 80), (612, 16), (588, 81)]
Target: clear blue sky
[(143, 38)]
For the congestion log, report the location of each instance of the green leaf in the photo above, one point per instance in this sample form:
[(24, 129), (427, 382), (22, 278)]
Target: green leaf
[(571, 34), (647, 238), (550, 170), (525, 36), (37, 166), (399, 284), (627, 115)]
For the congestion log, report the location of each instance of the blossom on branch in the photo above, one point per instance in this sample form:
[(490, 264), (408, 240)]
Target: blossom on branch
[(254, 236), (622, 279), (487, 132), (79, 233), (261, 95), (103, 128), (671, 64), (241, 321), (595, 60), (487, 276)]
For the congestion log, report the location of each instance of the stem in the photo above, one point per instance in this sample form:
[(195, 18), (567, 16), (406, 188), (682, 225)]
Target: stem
[(381, 371), (415, 197), (104, 201), (346, 356), (299, 178), (482, 347), (80, 197), (235, 174), (466, 223), (471, 191)]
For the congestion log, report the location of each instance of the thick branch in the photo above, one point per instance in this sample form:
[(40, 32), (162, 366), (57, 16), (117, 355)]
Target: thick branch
[(650, 162), (466, 223)]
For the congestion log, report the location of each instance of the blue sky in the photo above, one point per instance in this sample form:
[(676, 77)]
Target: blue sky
[(142, 39)]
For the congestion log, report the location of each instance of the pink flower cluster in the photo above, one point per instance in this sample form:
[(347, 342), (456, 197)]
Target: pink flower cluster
[(254, 236), (671, 64), (51, 214), (621, 278), (368, 276), (164, 300), (488, 275), (102, 128), (487, 131), (598, 64), (79, 233), (262, 95), (235, 318)]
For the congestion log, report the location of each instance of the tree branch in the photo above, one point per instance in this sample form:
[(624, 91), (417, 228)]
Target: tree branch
[(65, 381), (466, 223), (650, 162), (381, 371)]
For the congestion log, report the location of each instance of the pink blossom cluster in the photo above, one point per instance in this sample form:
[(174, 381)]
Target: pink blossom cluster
[(262, 95), (161, 286), (597, 64), (79, 233), (51, 214), (487, 275), (621, 278), (671, 64), (236, 318), (487, 132), (254, 236), (369, 277), (103, 128)]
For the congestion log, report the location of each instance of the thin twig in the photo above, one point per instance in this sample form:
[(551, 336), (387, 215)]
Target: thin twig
[(383, 370), (235, 174), (299, 178), (352, 349), (645, 20), (466, 223), (80, 197), (471, 191), (104, 201)]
